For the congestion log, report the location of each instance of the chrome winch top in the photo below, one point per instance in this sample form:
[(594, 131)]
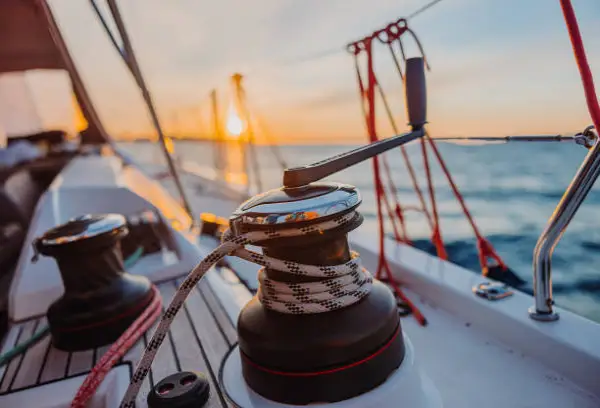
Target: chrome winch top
[(284, 206)]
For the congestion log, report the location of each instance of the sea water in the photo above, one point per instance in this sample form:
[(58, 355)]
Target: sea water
[(510, 188)]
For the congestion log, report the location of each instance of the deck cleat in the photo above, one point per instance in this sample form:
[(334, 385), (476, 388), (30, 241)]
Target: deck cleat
[(185, 389), (100, 300)]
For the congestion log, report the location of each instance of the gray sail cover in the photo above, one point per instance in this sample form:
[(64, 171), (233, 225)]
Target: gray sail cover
[(25, 41)]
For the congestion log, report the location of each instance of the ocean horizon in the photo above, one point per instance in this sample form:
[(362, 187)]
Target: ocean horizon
[(510, 188)]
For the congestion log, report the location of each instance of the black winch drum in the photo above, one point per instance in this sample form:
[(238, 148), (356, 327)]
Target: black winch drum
[(100, 300), (332, 356)]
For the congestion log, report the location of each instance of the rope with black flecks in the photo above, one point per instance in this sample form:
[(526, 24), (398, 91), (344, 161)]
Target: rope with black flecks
[(344, 285)]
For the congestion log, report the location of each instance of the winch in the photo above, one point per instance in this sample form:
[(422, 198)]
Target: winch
[(100, 300), (310, 357)]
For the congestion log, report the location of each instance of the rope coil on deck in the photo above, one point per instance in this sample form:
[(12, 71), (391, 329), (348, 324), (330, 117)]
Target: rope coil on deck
[(346, 284)]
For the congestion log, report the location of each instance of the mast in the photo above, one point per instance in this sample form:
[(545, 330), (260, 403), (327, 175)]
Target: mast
[(242, 108), (218, 155)]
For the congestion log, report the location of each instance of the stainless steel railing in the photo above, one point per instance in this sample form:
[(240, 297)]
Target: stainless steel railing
[(557, 224)]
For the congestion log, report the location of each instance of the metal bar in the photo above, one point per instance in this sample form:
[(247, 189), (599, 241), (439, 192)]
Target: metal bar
[(515, 138), (301, 176), (83, 97), (557, 224), (131, 61)]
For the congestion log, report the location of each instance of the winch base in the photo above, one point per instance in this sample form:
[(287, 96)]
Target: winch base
[(405, 387)]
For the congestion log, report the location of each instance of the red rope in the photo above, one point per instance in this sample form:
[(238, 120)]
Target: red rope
[(379, 189), (436, 234), (117, 350), (486, 251), (397, 212), (388, 35), (582, 63), (485, 248), (413, 308), (417, 187), (368, 94)]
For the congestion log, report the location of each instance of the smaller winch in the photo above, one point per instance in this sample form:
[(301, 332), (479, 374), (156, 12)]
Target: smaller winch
[(100, 300)]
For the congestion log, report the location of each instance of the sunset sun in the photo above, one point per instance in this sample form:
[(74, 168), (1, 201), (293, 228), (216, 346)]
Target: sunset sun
[(234, 124)]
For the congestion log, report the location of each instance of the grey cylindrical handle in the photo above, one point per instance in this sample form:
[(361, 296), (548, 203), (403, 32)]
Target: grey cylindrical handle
[(416, 92)]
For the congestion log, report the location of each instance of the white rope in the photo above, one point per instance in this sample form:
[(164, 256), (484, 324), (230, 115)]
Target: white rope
[(345, 285)]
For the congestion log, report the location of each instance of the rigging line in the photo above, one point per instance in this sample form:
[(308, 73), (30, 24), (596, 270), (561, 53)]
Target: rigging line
[(109, 32), (436, 235), (515, 138), (253, 113), (251, 146), (274, 147), (485, 249), (312, 56), (327, 52), (395, 57), (380, 193), (423, 9)]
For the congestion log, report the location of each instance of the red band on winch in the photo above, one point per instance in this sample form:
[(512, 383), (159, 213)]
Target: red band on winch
[(127, 313), (324, 372)]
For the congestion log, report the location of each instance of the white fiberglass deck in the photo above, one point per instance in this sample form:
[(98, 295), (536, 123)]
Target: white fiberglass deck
[(472, 369)]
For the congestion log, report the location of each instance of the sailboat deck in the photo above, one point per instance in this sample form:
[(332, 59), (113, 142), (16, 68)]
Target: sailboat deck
[(467, 363), (203, 319), (468, 367)]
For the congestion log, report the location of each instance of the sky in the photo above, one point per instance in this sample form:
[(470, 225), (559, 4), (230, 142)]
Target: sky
[(499, 67)]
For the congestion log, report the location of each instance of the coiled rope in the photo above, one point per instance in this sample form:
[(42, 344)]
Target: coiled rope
[(345, 285)]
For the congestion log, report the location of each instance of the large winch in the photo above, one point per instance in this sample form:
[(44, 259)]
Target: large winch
[(340, 356), (307, 358)]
